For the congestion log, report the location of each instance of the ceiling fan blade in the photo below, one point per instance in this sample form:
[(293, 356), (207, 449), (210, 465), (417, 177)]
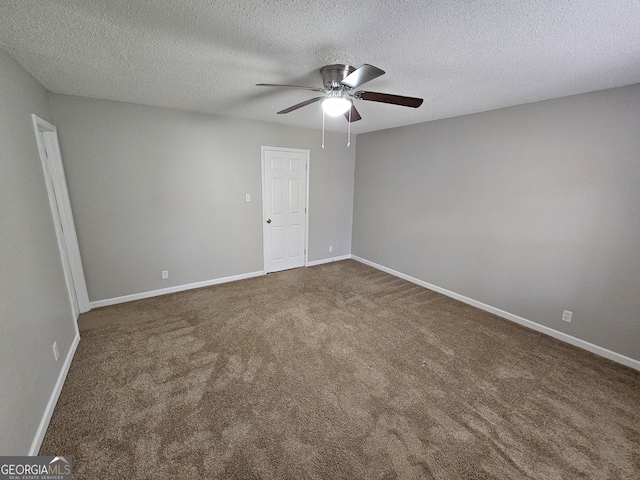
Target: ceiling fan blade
[(301, 104), (314, 89), (355, 116), (362, 75), (388, 98)]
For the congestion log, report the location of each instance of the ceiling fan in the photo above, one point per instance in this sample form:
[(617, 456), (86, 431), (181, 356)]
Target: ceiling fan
[(338, 81)]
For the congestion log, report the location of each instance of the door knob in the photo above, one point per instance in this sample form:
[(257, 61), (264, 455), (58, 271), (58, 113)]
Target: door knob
[(269, 221)]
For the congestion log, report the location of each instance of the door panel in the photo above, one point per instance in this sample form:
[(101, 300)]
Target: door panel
[(49, 151), (294, 195), (284, 200), (276, 233), (294, 245), (276, 196)]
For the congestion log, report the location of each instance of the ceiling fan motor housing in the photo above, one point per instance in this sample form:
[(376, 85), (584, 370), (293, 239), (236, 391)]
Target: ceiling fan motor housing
[(332, 75)]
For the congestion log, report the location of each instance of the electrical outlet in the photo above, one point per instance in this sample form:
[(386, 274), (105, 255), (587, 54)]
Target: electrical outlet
[(56, 354), (566, 315), (330, 248), (165, 274)]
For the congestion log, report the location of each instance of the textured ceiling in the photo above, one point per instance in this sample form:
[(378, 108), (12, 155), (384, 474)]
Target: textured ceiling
[(461, 56)]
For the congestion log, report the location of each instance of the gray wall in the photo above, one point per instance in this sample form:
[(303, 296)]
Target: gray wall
[(157, 189), (35, 309), (531, 209)]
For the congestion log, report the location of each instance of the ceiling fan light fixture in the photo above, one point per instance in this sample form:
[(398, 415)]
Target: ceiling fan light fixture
[(335, 106), (338, 81)]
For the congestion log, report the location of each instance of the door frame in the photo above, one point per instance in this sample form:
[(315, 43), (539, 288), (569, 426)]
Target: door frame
[(47, 140), (307, 153)]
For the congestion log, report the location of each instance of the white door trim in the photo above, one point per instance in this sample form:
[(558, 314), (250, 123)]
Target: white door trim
[(306, 214), (47, 140)]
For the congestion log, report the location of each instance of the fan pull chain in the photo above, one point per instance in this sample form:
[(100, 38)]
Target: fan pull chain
[(349, 136), (323, 128)]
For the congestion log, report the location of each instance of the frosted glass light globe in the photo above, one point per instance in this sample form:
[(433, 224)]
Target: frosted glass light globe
[(335, 106)]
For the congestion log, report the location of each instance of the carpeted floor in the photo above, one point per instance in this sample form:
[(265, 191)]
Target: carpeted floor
[(337, 371)]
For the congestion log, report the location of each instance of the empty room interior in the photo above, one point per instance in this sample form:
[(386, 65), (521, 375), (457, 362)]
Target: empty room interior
[(321, 240)]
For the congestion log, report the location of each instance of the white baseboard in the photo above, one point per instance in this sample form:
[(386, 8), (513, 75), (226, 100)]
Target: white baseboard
[(48, 412), (328, 260), (177, 288), (603, 352)]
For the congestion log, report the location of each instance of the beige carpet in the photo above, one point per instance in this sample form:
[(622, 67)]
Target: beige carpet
[(337, 371)]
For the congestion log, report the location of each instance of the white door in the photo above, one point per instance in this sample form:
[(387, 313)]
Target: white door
[(284, 201), (49, 149)]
